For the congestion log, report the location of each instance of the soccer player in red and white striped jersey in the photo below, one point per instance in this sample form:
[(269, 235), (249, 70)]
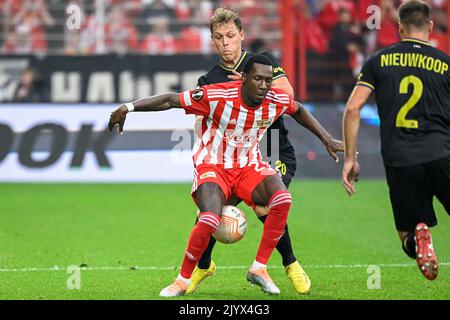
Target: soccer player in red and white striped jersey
[(230, 130), (228, 161)]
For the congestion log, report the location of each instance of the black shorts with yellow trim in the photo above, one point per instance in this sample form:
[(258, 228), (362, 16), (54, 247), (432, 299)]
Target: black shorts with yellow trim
[(411, 191)]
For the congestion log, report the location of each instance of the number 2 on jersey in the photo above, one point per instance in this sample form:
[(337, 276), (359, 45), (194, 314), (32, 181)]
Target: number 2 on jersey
[(401, 121)]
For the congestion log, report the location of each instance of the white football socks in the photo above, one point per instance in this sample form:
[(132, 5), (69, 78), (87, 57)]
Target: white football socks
[(187, 281), (256, 265)]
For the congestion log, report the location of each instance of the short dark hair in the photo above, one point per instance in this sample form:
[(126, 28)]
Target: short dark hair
[(225, 15), (414, 13), (256, 58)]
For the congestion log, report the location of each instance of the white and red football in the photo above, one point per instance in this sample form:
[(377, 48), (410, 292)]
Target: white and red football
[(232, 227)]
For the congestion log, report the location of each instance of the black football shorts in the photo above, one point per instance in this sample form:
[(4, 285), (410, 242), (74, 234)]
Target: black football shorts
[(286, 165), (411, 190)]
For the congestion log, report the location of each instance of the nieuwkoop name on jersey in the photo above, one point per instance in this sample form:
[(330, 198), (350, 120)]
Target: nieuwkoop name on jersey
[(416, 60)]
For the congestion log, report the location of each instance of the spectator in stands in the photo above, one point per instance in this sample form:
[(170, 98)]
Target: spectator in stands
[(438, 37), (31, 88), (328, 16), (345, 43), (72, 35), (152, 11), (9, 9), (28, 34), (131, 8), (159, 40), (193, 17), (194, 39), (194, 10), (120, 34), (254, 28), (388, 33)]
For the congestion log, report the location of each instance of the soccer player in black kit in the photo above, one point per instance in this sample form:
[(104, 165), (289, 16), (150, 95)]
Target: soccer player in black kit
[(227, 35), (411, 82)]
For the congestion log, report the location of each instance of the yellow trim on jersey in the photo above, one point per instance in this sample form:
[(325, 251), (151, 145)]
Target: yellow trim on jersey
[(279, 76), (366, 84), (419, 41), (237, 64)]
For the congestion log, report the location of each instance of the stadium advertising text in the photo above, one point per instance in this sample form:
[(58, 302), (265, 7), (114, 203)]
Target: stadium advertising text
[(104, 79), (69, 143), (59, 138)]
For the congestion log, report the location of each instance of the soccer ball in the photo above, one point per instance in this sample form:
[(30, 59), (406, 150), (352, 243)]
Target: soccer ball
[(232, 226)]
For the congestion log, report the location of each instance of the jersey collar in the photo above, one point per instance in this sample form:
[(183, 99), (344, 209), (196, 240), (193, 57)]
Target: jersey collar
[(417, 40), (243, 55)]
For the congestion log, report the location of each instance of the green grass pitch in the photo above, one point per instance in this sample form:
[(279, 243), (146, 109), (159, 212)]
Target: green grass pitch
[(130, 240)]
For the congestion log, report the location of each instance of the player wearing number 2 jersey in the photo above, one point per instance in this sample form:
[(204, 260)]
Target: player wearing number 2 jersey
[(411, 82)]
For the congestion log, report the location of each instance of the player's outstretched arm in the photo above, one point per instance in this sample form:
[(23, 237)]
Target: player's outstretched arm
[(155, 103), (307, 120), (351, 120)]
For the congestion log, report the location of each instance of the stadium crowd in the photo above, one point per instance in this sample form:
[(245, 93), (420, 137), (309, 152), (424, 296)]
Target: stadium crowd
[(181, 26), (337, 37)]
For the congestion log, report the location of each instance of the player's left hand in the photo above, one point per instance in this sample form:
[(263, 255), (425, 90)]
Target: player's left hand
[(118, 117), (350, 174), (333, 146), (235, 76)]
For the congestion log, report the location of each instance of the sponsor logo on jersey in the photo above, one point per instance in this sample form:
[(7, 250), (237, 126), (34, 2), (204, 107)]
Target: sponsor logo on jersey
[(209, 174), (278, 69), (263, 123), (244, 137)]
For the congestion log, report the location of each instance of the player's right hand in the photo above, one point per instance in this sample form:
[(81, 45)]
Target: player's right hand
[(350, 174), (118, 117), (235, 76)]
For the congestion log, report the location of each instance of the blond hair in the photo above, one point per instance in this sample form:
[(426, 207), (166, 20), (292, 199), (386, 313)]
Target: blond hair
[(223, 16)]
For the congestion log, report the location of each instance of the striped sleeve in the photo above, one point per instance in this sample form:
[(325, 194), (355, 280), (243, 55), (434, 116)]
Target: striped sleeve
[(367, 76), (282, 99), (292, 108), (195, 102)]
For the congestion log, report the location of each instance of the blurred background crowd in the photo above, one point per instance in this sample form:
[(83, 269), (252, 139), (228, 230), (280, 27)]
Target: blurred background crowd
[(337, 39), (182, 26)]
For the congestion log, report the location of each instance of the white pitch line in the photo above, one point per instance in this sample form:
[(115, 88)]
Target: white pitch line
[(336, 266)]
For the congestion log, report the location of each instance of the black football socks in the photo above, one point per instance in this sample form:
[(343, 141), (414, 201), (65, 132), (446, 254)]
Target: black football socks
[(409, 245)]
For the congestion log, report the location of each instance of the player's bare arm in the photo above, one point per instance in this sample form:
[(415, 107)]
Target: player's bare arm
[(307, 120), (155, 103), (350, 171)]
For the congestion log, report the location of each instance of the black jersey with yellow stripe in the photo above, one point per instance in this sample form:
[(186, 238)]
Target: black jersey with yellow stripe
[(411, 82), (219, 73)]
